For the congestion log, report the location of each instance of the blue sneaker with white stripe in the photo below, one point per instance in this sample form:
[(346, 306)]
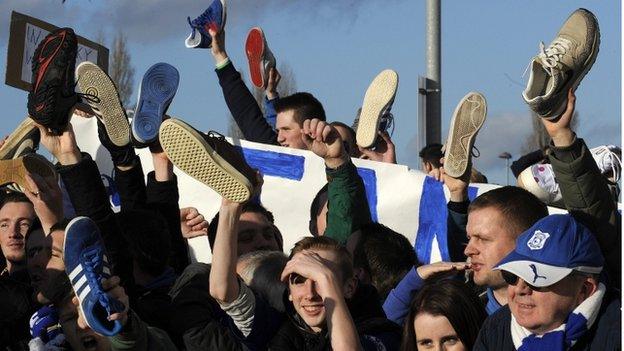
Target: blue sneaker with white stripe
[(158, 87), (86, 266), (213, 18)]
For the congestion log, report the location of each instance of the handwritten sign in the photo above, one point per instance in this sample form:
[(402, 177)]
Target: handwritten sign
[(25, 34)]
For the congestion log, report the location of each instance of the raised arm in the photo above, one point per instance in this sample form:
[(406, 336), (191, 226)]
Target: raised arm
[(347, 205), (238, 98), (584, 190)]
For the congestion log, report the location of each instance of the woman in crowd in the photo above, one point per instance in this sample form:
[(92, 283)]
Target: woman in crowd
[(444, 315)]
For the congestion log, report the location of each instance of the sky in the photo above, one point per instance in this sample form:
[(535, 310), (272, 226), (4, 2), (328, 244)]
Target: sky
[(336, 47)]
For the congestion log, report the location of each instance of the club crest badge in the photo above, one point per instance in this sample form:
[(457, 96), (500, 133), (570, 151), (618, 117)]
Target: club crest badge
[(538, 240)]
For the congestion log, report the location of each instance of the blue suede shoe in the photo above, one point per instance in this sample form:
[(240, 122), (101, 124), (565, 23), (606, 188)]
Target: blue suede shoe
[(214, 17), (158, 87), (86, 266)]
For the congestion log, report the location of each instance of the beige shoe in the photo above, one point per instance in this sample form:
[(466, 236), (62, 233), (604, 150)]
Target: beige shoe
[(100, 93), (14, 171), (562, 65), (377, 103), (24, 139), (209, 158), (468, 118)]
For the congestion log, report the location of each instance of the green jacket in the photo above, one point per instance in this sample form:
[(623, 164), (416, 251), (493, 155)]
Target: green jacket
[(587, 197), (138, 336), (347, 205)]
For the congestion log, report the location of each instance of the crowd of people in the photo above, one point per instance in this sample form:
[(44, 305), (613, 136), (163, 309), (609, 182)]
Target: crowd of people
[(78, 276)]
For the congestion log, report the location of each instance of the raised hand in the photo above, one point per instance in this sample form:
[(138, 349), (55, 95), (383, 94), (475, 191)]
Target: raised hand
[(441, 269), (47, 200), (63, 147), (272, 83), (192, 223), (384, 150), (323, 139), (559, 128)]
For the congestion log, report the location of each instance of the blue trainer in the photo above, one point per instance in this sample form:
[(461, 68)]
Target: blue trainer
[(158, 87), (86, 266), (213, 18)]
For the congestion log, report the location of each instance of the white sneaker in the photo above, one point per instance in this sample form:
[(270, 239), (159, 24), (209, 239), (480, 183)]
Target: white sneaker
[(609, 161)]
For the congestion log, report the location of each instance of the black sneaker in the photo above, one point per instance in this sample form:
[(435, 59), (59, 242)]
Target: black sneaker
[(209, 158), (52, 95)]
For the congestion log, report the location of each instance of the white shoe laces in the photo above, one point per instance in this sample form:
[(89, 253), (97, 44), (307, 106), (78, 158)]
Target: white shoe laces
[(551, 56)]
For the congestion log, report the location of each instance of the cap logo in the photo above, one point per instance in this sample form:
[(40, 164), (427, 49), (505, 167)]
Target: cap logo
[(538, 240), (535, 274)]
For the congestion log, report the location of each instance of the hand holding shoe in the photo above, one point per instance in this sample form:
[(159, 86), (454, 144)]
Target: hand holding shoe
[(63, 147), (559, 128), (272, 83)]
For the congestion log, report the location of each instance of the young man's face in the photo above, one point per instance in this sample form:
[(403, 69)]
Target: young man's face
[(15, 220), (256, 232), (289, 130), (305, 297), (489, 241), (543, 311)]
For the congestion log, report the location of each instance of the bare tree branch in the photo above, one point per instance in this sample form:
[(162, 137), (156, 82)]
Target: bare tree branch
[(121, 70)]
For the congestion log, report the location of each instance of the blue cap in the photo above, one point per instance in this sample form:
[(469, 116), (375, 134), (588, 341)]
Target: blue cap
[(551, 249)]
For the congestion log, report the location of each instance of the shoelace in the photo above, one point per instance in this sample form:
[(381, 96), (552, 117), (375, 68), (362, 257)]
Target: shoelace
[(551, 56), (92, 261), (199, 21), (387, 122)]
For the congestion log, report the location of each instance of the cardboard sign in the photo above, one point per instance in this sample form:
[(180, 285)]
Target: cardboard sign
[(26, 33), (405, 200)]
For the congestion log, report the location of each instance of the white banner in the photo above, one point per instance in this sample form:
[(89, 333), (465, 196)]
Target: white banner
[(405, 200)]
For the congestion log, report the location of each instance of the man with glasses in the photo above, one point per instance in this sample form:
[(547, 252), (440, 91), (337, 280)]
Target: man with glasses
[(556, 299)]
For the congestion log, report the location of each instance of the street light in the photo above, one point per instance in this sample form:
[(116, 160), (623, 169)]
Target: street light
[(507, 157)]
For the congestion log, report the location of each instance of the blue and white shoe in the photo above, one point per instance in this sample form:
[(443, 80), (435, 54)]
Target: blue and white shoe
[(213, 18), (158, 87), (86, 266)]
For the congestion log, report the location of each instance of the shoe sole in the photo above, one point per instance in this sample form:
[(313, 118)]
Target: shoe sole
[(379, 96), (15, 170), (59, 59), (254, 47), (93, 81), (588, 65), (468, 119), (158, 87), (189, 151), (13, 144)]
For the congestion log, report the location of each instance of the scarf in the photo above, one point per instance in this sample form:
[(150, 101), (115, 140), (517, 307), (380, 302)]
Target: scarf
[(565, 336)]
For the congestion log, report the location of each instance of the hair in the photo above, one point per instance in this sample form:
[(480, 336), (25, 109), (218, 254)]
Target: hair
[(12, 196), (304, 105), (315, 209), (451, 299), (518, 207), (262, 274), (432, 153), (148, 239), (385, 255), (247, 207), (477, 177), (324, 243)]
